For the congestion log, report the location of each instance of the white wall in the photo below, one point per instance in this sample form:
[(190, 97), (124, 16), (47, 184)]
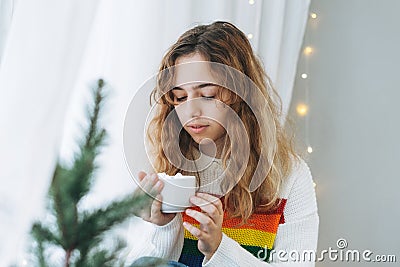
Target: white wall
[(354, 124)]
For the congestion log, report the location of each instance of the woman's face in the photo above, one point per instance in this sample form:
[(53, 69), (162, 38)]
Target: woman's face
[(197, 104)]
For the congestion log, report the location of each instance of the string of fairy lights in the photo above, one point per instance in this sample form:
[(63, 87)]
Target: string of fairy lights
[(302, 108), (250, 35)]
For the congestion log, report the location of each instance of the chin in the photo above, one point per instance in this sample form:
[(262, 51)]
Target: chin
[(205, 141)]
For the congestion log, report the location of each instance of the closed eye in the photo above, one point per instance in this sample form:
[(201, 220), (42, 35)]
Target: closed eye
[(180, 99)]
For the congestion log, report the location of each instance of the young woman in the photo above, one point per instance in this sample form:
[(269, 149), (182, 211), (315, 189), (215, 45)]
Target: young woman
[(218, 118)]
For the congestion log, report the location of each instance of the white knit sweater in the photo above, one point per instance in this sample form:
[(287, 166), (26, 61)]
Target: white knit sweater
[(298, 233)]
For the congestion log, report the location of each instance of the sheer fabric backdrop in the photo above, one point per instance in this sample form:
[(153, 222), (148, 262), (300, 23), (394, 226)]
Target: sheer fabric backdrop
[(54, 52)]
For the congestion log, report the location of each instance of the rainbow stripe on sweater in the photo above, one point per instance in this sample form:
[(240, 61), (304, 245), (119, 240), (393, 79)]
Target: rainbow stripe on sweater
[(257, 234)]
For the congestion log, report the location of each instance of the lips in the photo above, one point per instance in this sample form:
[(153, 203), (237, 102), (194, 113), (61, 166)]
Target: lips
[(197, 128)]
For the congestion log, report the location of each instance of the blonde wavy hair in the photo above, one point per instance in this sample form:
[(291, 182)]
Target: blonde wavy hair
[(223, 43)]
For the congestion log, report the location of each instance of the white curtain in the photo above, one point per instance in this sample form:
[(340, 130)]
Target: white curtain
[(40, 65), (6, 12), (56, 50)]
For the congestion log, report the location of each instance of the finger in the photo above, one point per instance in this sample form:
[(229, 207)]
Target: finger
[(156, 206), (153, 209), (200, 217), (143, 209), (141, 175), (139, 182), (149, 182), (156, 189), (193, 230), (144, 188), (214, 200), (209, 208)]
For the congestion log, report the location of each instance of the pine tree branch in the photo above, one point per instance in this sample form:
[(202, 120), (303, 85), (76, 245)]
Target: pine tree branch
[(65, 208), (94, 224), (41, 235), (84, 166), (84, 231), (94, 115), (71, 184), (103, 257), (68, 257)]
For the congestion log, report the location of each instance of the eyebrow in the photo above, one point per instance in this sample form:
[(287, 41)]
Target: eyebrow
[(196, 86)]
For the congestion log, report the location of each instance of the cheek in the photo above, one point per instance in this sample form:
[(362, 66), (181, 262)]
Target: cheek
[(218, 114), (182, 114)]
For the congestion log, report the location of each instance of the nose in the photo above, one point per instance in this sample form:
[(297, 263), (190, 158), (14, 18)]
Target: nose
[(194, 107)]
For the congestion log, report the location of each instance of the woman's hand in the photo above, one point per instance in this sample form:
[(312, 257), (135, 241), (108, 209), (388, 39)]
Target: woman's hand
[(210, 219), (150, 188)]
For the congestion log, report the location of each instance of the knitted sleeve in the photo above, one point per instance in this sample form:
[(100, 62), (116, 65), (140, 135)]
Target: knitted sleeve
[(298, 233), (166, 241)]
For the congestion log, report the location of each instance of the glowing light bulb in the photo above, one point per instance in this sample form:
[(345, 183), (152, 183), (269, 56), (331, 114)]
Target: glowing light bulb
[(308, 50), (250, 36), (304, 75), (302, 109), (251, 2), (313, 15), (309, 149), (314, 184), (24, 262)]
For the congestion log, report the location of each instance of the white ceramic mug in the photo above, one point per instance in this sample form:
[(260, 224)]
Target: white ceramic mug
[(176, 192)]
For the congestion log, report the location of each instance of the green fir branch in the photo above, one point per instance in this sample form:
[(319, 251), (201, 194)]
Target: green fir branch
[(94, 115), (103, 257), (95, 223), (81, 233), (66, 212), (41, 235), (84, 164)]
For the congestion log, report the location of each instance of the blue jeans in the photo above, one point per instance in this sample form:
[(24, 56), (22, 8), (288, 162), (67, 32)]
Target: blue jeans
[(155, 262)]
